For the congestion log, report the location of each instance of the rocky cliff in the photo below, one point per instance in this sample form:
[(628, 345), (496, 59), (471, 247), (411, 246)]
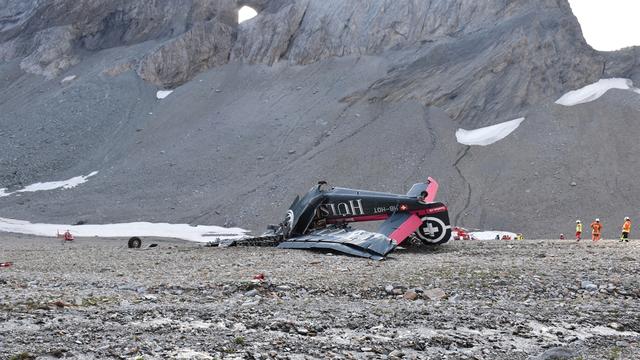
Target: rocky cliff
[(458, 55), (305, 90)]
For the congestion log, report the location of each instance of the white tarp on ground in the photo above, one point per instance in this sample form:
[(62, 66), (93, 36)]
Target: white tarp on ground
[(491, 235), (594, 91), (64, 184), (198, 233), (487, 135)]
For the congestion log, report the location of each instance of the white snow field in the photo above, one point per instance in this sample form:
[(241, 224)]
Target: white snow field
[(64, 184), (161, 94), (487, 135), (594, 91), (491, 235), (200, 233)]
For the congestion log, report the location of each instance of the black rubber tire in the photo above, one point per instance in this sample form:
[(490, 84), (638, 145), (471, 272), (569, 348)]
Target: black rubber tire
[(134, 243)]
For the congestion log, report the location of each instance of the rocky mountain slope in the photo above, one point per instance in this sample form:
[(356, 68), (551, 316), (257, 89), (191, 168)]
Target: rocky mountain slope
[(361, 94)]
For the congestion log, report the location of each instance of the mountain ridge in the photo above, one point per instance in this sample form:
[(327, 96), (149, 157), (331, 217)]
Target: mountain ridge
[(266, 108)]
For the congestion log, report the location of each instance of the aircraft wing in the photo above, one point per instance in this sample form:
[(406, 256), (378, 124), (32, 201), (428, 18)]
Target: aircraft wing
[(353, 242), (400, 226)]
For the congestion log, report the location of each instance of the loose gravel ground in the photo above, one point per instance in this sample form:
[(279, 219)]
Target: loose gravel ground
[(532, 299)]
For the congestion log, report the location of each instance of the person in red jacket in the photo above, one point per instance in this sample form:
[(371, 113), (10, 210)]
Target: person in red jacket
[(626, 229), (68, 236), (596, 230)]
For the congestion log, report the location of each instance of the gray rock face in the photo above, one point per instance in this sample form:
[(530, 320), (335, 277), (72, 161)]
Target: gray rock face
[(205, 45), (338, 28), (497, 72), (480, 61), (624, 63), (361, 93), (50, 33), (268, 38), (52, 52)]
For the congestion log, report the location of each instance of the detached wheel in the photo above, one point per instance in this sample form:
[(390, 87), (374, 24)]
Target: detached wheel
[(134, 243)]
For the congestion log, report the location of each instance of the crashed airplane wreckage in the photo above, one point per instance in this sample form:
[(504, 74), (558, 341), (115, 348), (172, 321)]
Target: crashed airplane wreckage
[(320, 220)]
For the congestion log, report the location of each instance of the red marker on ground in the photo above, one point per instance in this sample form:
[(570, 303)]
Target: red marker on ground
[(259, 276)]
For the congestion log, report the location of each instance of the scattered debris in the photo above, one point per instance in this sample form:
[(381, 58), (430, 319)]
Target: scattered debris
[(206, 301), (134, 242), (259, 276), (320, 221)]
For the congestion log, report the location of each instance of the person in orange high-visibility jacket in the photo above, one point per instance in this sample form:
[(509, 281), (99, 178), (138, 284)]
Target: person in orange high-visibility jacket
[(578, 230), (596, 230), (626, 229)]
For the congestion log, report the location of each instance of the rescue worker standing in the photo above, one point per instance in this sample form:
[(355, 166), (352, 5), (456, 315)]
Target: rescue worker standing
[(596, 230), (578, 230), (626, 229)]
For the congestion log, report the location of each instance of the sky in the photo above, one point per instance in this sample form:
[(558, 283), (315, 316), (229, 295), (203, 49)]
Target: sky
[(608, 24)]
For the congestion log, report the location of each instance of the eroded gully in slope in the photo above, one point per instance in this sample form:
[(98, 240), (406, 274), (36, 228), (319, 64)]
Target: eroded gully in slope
[(457, 219)]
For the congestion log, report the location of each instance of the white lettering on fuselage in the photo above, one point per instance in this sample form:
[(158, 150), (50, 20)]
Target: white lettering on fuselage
[(350, 208), (385, 209)]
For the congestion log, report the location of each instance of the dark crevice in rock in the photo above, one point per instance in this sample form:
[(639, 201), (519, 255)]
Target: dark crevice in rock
[(285, 54), (459, 217)]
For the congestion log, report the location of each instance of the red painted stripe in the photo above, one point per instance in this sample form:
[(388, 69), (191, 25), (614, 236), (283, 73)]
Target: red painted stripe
[(436, 210), (407, 228), (432, 190), (423, 212)]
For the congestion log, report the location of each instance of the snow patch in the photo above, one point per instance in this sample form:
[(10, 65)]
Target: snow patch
[(487, 135), (491, 235), (68, 78), (594, 91), (161, 94), (64, 184), (605, 331), (581, 332), (199, 233), (246, 13)]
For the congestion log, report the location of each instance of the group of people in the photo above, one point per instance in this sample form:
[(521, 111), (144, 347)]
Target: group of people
[(596, 230)]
